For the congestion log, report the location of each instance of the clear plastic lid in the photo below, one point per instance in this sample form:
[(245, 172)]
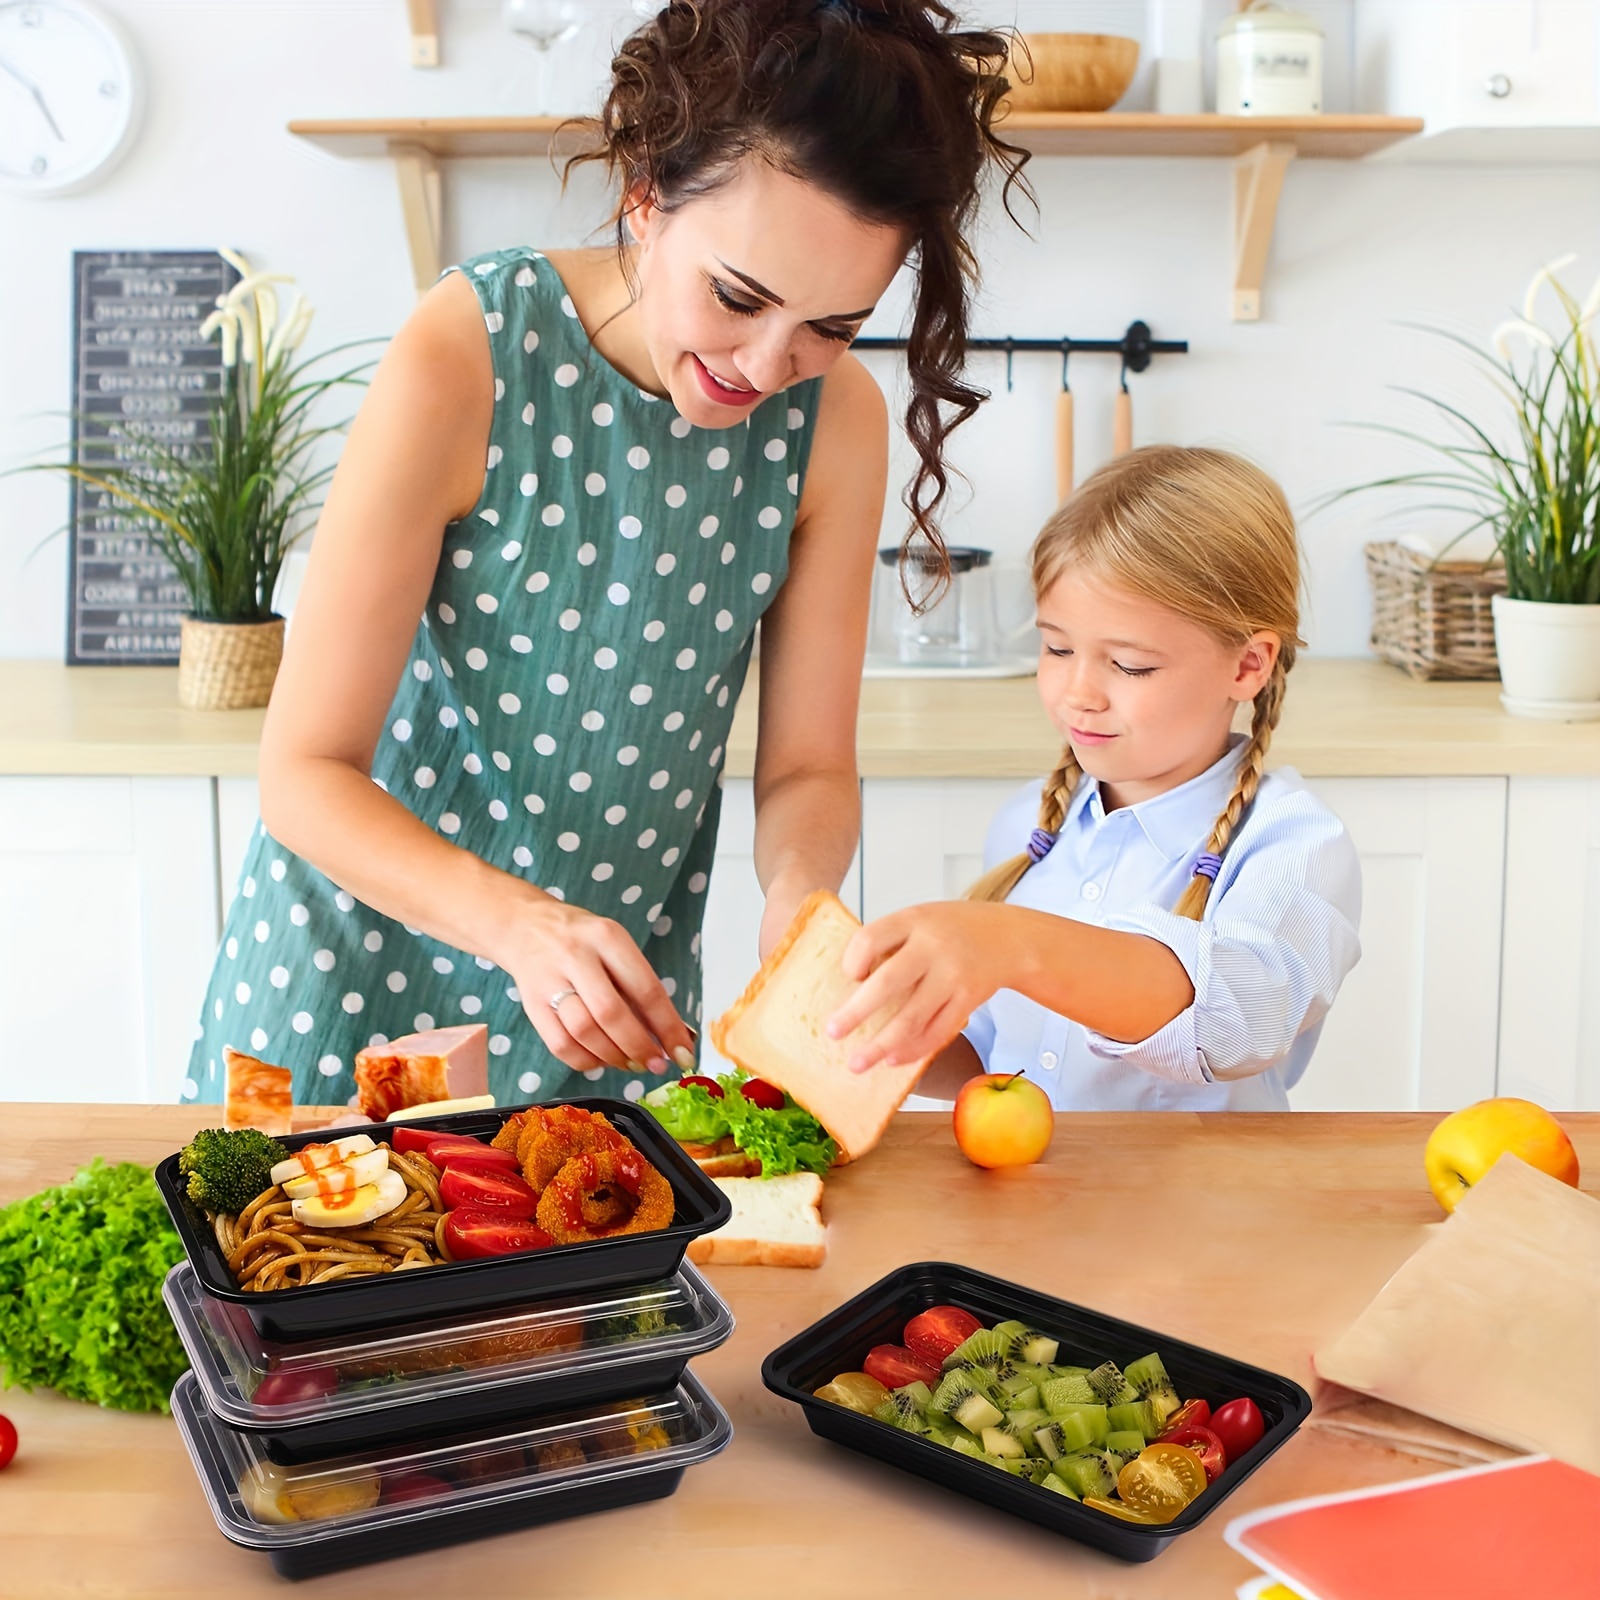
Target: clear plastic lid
[(268, 1507), (255, 1382)]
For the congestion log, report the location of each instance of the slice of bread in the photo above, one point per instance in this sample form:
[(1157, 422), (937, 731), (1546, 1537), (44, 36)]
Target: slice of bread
[(776, 1222), (775, 1030)]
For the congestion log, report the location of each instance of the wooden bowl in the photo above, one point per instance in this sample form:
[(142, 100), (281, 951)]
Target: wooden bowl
[(1070, 71)]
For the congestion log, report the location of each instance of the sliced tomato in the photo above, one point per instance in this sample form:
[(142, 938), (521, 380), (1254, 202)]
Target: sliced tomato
[(413, 1486), (761, 1093), (413, 1141), (1117, 1509), (1204, 1443), (710, 1085), (934, 1333), (293, 1385), (1238, 1425), (1191, 1414), (447, 1153), (504, 1192), (471, 1232), (894, 1367), (8, 1442), (1162, 1478)]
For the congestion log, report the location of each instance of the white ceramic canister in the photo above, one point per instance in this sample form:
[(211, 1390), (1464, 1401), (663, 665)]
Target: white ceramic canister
[(1549, 659), (1269, 63)]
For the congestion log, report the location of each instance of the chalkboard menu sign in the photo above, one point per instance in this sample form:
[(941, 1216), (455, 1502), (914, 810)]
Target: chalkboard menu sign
[(140, 369)]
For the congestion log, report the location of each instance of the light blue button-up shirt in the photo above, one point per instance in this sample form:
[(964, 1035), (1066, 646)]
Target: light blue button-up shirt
[(1278, 938)]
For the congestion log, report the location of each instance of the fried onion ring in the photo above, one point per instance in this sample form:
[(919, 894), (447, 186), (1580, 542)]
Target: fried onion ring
[(599, 1194), (545, 1146)]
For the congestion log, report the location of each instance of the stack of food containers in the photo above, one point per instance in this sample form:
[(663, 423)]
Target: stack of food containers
[(370, 1417)]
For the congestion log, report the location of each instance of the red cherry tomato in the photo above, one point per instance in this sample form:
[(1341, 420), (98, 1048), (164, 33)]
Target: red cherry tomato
[(1238, 1426), (409, 1140), (504, 1192), (471, 1232), (459, 1153), (894, 1367), (295, 1384), (934, 1333), (8, 1442), (710, 1085), (761, 1093), (1191, 1414), (413, 1486), (1204, 1443)]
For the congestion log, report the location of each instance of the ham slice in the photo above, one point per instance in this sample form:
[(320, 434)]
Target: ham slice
[(441, 1064), (258, 1094)]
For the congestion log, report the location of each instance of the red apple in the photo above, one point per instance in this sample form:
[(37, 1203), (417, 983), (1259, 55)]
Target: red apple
[(1468, 1142), (1002, 1120)]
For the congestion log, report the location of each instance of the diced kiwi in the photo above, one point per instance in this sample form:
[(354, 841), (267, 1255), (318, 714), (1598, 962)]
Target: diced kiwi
[(1026, 1398), (1035, 1348), (958, 1396), (1124, 1444), (975, 1414), (986, 1347), (901, 1411), (1089, 1416), (964, 1444), (1002, 1442), (1089, 1472), (1051, 1482), (918, 1392), (954, 1387), (1026, 1418), (1032, 1372), (1110, 1386), (1149, 1376), (1059, 1393), (1010, 1331), (1064, 1436), (1060, 1369), (1031, 1468), (1137, 1415)]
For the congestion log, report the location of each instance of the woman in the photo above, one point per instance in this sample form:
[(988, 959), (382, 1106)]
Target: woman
[(591, 473)]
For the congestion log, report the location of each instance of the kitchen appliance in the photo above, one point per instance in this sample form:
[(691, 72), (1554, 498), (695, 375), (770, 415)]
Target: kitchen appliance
[(1269, 63), (961, 634)]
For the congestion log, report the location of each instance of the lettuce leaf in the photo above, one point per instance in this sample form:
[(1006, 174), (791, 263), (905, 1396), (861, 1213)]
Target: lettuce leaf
[(790, 1140), (689, 1112)]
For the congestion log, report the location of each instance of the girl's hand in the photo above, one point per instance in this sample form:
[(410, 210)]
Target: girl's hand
[(613, 1010), (924, 970)]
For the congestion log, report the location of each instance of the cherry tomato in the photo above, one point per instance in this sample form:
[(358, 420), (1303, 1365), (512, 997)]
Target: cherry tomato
[(761, 1093), (484, 1160), (1204, 1443), (505, 1192), (1163, 1479), (1128, 1513), (1191, 1414), (8, 1442), (934, 1333), (471, 1232), (295, 1384), (1238, 1425), (408, 1140), (413, 1486), (894, 1367), (710, 1085)]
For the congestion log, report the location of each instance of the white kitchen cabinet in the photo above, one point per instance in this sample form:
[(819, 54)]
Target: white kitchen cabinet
[(238, 817), (923, 837), (1550, 970), (108, 926)]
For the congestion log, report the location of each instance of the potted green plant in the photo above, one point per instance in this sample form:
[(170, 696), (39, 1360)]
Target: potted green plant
[(1531, 478), (227, 515)]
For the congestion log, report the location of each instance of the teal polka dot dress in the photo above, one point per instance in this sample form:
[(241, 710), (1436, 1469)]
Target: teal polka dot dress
[(563, 715)]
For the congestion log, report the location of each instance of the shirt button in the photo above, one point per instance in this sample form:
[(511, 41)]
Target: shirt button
[(1091, 891), (1048, 1060)]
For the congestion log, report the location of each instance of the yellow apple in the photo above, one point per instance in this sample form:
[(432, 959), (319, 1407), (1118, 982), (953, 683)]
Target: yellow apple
[(1002, 1120), (1468, 1142)]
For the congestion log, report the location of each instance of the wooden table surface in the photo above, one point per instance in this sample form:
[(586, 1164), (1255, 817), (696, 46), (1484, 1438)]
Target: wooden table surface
[(1260, 1236)]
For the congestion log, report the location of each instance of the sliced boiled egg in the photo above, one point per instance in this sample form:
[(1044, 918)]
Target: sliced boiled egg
[(352, 1208), (341, 1177), (309, 1157)]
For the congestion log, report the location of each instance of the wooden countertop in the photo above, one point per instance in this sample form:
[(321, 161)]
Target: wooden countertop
[(1344, 718), (1262, 1236)]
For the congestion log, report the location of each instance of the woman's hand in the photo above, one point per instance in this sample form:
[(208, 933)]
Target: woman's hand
[(925, 970), (590, 994)]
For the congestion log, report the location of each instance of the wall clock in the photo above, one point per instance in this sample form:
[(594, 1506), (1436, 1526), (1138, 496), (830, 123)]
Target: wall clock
[(70, 94)]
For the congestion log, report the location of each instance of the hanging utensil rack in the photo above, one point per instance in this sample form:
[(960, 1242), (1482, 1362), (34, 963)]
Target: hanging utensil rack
[(1136, 347)]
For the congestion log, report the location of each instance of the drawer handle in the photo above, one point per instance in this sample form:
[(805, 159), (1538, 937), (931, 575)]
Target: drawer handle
[(1497, 86)]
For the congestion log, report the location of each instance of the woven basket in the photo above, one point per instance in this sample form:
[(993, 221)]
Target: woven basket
[(1433, 617), (225, 666)]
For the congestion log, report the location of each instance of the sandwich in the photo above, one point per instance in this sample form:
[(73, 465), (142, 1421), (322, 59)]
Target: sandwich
[(735, 1126)]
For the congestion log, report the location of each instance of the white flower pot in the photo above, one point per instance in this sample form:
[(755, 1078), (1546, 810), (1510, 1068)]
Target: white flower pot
[(1549, 659)]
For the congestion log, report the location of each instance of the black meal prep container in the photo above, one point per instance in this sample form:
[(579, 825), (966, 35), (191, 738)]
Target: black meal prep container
[(442, 1492), (334, 1396), (365, 1304), (840, 1341)]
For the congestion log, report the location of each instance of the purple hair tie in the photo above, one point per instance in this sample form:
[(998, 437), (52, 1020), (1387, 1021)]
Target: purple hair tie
[(1208, 866), (1040, 843)]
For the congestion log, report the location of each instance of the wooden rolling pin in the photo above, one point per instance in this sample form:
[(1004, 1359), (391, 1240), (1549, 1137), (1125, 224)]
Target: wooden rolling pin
[(1063, 445)]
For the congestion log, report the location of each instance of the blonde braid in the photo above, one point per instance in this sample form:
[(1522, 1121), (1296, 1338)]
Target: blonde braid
[(996, 884), (1268, 708)]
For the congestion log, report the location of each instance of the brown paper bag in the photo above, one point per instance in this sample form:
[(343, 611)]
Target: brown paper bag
[(1493, 1326)]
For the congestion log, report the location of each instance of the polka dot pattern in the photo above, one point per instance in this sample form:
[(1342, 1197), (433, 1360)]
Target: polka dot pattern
[(554, 716)]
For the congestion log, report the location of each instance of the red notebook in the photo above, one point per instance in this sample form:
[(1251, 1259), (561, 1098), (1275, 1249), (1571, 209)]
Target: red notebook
[(1529, 1527)]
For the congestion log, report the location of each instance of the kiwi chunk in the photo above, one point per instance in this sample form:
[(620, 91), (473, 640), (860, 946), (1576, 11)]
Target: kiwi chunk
[(1059, 1393), (960, 1396), (1089, 1472), (1136, 1415), (1064, 1436), (1090, 1416), (1001, 1442), (976, 1414), (964, 1444), (901, 1411), (1051, 1482), (1148, 1375), (1009, 1331), (1109, 1385), (918, 1392), (1036, 1348), (1124, 1444), (986, 1347)]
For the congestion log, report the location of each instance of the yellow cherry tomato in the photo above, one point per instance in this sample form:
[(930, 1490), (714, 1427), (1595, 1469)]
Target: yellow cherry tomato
[(855, 1391), (1162, 1478), (1117, 1509)]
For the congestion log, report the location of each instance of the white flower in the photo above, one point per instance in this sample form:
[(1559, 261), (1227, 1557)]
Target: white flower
[(1545, 274), (1531, 331)]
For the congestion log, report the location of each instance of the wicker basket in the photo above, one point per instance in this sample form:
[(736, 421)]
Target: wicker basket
[(1433, 617), (224, 666)]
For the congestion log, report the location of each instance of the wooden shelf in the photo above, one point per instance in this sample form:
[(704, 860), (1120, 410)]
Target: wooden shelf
[(1261, 147)]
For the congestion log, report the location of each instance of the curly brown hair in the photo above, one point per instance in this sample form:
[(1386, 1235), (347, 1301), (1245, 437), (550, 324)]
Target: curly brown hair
[(887, 105)]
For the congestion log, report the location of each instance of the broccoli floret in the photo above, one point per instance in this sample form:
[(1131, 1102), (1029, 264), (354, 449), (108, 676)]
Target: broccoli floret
[(227, 1168)]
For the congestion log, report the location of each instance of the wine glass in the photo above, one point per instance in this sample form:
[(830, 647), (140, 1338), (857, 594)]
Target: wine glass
[(544, 24)]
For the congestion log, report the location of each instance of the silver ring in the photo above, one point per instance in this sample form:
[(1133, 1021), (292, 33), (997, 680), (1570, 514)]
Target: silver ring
[(557, 998)]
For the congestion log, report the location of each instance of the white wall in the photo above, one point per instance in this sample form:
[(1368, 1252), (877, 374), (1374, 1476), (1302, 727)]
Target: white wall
[(1360, 249)]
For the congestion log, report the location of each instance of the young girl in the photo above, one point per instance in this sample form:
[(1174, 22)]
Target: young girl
[(1167, 924), (590, 473)]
